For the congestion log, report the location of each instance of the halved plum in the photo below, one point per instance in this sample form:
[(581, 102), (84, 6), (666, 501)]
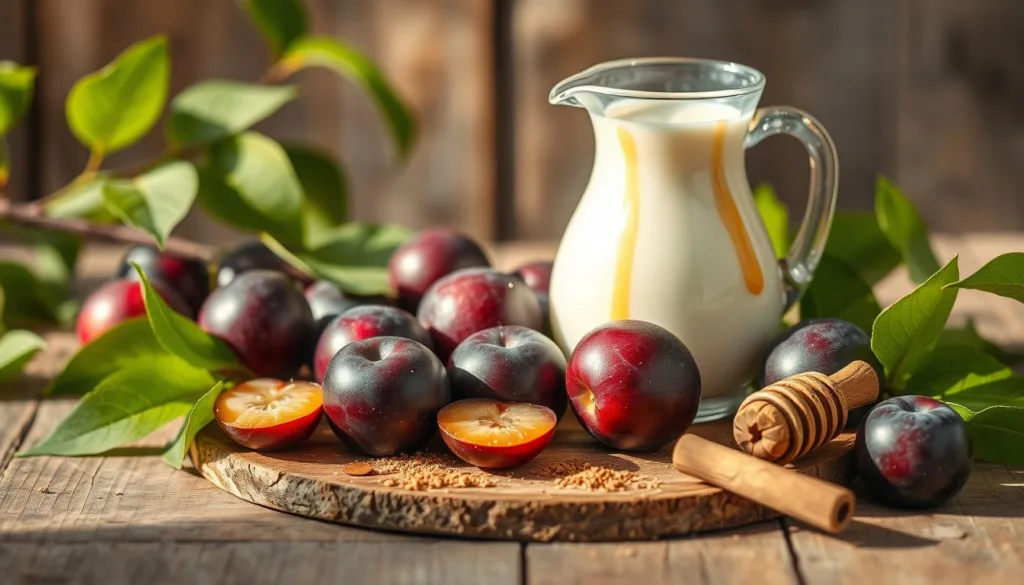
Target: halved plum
[(267, 414), (491, 434)]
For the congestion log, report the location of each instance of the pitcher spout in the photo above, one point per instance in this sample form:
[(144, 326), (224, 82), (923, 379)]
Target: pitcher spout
[(582, 90), (657, 78)]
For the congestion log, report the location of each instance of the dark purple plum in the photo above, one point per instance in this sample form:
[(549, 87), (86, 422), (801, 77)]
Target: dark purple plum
[(326, 300), (820, 345), (254, 256), (364, 322), (913, 452), (509, 364), (537, 276), (188, 276), (120, 300), (634, 385), (263, 316), (426, 258), (382, 395), (474, 299)]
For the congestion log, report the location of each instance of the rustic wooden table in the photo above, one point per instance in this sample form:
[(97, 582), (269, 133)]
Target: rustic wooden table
[(125, 518)]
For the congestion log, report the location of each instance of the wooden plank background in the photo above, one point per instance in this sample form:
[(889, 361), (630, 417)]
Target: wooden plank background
[(15, 46), (925, 91)]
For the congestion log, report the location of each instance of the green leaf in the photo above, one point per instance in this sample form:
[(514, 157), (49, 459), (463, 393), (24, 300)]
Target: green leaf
[(198, 417), (56, 255), (1005, 392), (211, 110), (27, 301), (16, 87), (182, 336), (53, 265), (280, 21), (856, 239), (82, 200), (905, 229), (324, 200), (997, 433), (115, 106), (345, 60), (957, 370), (839, 291), (250, 184), (968, 335), (155, 201), (117, 348), (1003, 276), (223, 202), (353, 256), (775, 216), (964, 412), (16, 349), (127, 406), (904, 334)]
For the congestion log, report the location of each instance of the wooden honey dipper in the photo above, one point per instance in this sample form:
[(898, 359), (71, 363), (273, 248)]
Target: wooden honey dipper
[(791, 417)]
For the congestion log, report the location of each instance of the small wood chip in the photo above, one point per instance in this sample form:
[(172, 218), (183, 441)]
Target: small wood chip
[(358, 468)]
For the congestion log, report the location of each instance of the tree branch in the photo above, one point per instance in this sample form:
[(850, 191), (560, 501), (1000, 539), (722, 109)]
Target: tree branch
[(29, 216), (33, 214)]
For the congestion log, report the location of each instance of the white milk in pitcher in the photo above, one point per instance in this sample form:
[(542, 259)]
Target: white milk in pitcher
[(667, 232)]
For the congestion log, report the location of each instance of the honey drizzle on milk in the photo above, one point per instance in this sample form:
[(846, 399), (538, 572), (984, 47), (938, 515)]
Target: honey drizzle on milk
[(627, 240), (730, 215)]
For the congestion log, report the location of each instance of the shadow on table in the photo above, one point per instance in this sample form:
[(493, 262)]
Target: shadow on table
[(867, 535), (992, 491), (24, 388)]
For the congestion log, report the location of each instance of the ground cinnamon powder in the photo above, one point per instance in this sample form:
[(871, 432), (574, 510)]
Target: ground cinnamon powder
[(423, 471), (578, 474), (556, 469), (429, 471)]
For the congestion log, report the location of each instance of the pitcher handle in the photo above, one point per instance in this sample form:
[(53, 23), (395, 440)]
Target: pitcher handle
[(798, 266)]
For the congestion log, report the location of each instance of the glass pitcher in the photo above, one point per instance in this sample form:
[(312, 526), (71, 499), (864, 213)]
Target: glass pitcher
[(667, 230)]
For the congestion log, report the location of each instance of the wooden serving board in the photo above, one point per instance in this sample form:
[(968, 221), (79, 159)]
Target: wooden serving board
[(526, 505)]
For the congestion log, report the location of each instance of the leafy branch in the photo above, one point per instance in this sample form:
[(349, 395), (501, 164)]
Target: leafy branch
[(287, 194), (28, 215), (245, 179)]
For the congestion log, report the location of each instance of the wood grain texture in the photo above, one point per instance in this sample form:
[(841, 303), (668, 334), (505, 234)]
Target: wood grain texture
[(19, 397), (436, 53), (252, 563), (525, 504), (14, 46), (960, 131), (757, 554), (131, 495), (439, 55), (974, 539), (831, 59)]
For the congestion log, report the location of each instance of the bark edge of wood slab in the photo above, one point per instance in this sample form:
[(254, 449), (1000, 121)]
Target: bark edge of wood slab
[(811, 500), (309, 481), (790, 418)]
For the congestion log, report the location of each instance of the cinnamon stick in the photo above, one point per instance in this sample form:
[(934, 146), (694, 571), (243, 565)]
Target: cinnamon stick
[(811, 500)]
